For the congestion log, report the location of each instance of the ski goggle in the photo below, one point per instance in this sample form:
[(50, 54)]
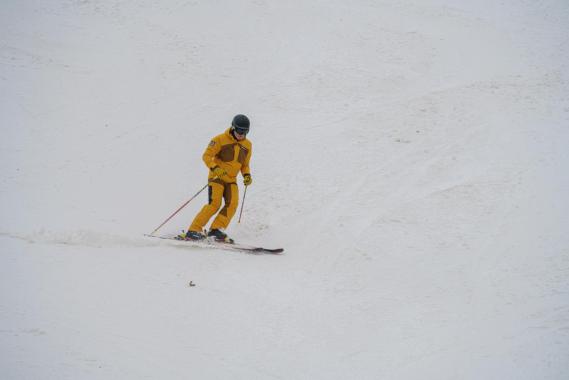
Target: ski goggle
[(240, 131)]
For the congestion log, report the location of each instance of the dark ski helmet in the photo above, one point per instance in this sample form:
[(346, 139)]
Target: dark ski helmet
[(240, 124)]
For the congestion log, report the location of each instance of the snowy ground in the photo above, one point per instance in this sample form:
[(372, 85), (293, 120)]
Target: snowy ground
[(410, 156)]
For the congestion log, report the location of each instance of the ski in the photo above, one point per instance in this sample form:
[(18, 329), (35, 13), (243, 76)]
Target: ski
[(246, 248), (229, 246)]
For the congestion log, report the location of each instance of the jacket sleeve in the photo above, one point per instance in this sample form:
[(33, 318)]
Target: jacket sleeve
[(245, 169), (211, 151)]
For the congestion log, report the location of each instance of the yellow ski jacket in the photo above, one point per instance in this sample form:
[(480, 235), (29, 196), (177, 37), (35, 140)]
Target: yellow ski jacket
[(229, 154)]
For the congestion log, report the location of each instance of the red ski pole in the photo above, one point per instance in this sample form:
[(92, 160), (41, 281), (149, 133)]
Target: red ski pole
[(242, 204), (178, 210)]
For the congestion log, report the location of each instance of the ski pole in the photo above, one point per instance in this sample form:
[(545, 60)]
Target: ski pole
[(242, 204), (178, 210)]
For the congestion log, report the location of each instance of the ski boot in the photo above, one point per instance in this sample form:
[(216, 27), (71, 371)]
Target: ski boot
[(191, 235), (220, 236)]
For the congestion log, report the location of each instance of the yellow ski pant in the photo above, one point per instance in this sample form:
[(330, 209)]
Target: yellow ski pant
[(217, 190)]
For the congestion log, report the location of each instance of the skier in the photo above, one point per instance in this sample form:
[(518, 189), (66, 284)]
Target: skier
[(226, 155)]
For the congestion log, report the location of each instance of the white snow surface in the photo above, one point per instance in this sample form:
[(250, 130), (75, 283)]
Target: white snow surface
[(411, 157)]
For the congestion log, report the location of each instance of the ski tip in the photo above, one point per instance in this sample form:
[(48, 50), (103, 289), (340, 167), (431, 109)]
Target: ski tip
[(276, 250)]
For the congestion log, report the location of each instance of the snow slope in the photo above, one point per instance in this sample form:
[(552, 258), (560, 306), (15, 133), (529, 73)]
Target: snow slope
[(410, 156)]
